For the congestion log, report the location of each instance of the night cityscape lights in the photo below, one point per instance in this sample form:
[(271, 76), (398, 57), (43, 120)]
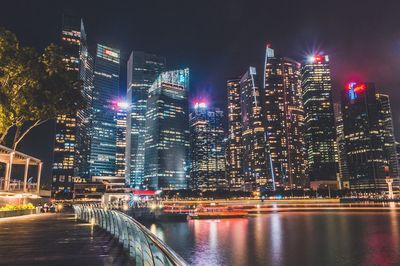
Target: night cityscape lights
[(284, 136), (174, 134)]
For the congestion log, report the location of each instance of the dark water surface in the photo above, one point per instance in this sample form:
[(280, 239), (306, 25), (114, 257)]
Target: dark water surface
[(291, 238)]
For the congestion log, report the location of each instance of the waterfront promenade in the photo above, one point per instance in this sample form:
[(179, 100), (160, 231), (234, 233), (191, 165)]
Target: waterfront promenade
[(57, 239)]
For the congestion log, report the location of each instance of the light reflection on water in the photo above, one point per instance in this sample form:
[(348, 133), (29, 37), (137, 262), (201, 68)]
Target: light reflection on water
[(292, 238)]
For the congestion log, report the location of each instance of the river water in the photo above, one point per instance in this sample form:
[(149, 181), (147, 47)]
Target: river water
[(288, 238)]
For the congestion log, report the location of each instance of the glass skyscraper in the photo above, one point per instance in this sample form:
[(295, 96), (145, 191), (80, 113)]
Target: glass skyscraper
[(340, 144), (120, 118), (284, 118), (254, 157), (368, 137), (207, 148), (234, 143), (64, 161), (103, 129), (83, 119), (386, 122), (320, 133), (167, 131), (143, 69)]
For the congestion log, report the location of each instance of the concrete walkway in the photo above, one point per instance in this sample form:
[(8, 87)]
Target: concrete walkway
[(57, 239)]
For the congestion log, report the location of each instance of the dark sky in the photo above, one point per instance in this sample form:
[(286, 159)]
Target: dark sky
[(218, 39)]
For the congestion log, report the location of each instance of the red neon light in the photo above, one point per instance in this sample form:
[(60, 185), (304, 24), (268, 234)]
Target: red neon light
[(142, 192), (360, 88), (318, 58)]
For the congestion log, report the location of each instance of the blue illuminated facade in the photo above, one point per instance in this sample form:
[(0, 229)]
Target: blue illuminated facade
[(143, 69), (103, 128)]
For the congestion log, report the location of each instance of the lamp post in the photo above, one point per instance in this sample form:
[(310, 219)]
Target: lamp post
[(389, 182)]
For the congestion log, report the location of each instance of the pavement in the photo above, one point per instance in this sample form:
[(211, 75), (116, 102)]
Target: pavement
[(57, 239)]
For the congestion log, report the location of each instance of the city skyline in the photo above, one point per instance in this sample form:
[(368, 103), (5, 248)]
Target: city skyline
[(229, 132), (342, 55)]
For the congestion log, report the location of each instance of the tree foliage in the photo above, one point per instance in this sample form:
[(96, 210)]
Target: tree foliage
[(33, 88)]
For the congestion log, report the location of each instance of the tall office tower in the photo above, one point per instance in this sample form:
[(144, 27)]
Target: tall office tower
[(254, 168), (398, 154), (320, 133), (120, 118), (284, 118), (207, 148), (340, 146), (65, 128), (83, 118), (103, 131), (167, 131), (365, 126), (143, 69), (388, 131), (234, 142)]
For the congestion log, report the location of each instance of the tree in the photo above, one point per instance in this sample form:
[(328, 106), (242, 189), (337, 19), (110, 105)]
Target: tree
[(33, 88)]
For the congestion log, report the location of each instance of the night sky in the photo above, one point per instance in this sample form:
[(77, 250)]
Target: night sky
[(219, 39)]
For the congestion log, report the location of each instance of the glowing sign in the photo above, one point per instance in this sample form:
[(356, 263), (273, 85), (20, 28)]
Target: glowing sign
[(200, 105), (318, 58), (253, 71), (110, 53), (122, 105), (355, 89)]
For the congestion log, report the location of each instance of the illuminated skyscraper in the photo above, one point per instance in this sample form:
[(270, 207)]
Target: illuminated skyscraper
[(368, 135), (83, 119), (284, 118), (398, 155), (340, 144), (386, 122), (143, 69), (234, 143), (121, 114), (320, 133), (254, 162), (207, 148), (103, 129), (64, 161), (167, 131)]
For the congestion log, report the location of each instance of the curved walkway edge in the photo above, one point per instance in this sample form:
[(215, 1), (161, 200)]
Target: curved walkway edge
[(57, 239)]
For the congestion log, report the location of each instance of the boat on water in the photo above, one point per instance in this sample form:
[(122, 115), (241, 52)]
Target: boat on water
[(216, 213)]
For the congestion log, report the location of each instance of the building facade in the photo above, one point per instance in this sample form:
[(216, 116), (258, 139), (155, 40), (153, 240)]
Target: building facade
[(365, 126), (143, 69), (120, 119), (284, 118), (254, 157), (234, 143), (319, 133), (340, 144), (103, 129), (64, 160), (398, 154), (167, 131), (386, 121), (207, 148), (83, 117)]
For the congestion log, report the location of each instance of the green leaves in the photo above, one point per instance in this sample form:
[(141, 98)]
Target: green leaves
[(33, 87)]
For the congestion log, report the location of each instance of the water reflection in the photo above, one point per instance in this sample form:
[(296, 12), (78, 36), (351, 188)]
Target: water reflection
[(276, 238), (292, 238)]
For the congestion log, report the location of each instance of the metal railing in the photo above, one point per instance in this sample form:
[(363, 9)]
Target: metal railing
[(143, 246)]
